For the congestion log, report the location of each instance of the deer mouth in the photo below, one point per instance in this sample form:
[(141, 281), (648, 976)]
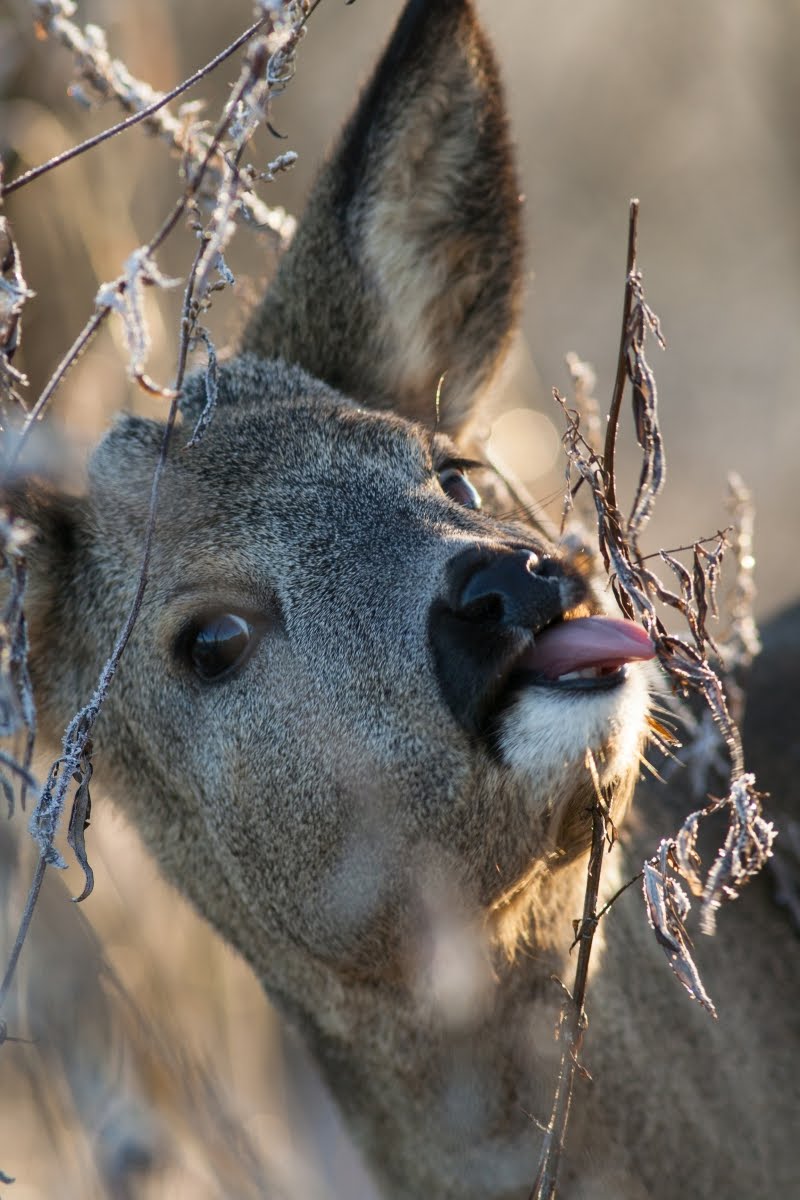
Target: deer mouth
[(484, 666), (582, 654)]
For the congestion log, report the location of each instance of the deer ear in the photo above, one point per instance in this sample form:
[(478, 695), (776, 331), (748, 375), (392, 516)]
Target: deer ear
[(49, 527), (406, 265)]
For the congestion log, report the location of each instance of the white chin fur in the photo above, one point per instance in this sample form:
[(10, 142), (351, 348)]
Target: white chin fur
[(547, 731)]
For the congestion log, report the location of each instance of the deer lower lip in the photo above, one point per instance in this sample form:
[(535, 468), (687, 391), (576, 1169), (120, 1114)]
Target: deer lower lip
[(588, 679)]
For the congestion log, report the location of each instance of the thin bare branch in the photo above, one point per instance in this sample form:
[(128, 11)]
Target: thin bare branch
[(24, 926), (107, 77), (639, 591), (75, 351), (572, 1023), (135, 118), (268, 66), (13, 294), (141, 268)]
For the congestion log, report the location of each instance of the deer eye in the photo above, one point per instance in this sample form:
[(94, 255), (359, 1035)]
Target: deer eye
[(455, 484), (220, 645)]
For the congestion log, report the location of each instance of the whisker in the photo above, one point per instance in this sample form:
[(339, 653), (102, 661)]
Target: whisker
[(651, 769), (528, 507)]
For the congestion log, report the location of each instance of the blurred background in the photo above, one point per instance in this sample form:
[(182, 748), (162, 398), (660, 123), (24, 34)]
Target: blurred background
[(693, 108)]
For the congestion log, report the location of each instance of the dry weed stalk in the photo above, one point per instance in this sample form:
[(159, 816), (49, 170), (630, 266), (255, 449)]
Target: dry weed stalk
[(685, 661), (107, 78), (572, 1022), (13, 293), (213, 166)]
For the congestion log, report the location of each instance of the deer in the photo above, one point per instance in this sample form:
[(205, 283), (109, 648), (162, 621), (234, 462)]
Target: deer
[(352, 721)]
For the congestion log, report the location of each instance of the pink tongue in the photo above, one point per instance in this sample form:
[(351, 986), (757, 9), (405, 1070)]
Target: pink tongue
[(588, 642)]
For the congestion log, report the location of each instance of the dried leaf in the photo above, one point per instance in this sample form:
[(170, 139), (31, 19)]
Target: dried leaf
[(126, 297), (43, 824), (13, 292), (638, 591), (667, 907), (740, 641), (645, 409), (212, 389), (684, 578), (79, 823), (685, 851), (747, 848)]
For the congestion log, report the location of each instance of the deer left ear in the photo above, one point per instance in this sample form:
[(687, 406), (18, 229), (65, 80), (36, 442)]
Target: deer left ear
[(406, 265)]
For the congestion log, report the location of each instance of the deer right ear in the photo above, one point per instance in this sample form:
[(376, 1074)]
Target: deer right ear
[(406, 265), (52, 532)]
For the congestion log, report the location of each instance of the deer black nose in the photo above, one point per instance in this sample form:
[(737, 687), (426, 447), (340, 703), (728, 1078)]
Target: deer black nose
[(493, 601), (515, 588)]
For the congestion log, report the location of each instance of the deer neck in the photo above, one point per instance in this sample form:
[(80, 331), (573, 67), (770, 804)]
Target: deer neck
[(446, 1081)]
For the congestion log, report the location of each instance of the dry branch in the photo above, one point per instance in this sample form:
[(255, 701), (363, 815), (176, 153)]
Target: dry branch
[(13, 293), (108, 78), (573, 1022), (212, 166), (639, 593)]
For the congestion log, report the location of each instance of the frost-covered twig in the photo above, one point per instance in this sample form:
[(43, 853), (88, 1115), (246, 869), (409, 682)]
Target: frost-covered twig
[(248, 102), (266, 69), (17, 708), (639, 591), (108, 78), (135, 118), (573, 1016), (13, 293)]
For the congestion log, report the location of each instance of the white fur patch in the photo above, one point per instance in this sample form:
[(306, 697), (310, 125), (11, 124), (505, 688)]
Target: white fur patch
[(547, 731)]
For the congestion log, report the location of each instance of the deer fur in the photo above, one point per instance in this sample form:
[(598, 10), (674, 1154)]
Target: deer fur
[(396, 848)]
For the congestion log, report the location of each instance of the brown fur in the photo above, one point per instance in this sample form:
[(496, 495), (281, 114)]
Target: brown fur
[(324, 806)]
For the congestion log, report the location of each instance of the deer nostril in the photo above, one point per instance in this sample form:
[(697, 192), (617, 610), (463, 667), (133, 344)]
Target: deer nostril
[(510, 589), (483, 605), (548, 568)]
